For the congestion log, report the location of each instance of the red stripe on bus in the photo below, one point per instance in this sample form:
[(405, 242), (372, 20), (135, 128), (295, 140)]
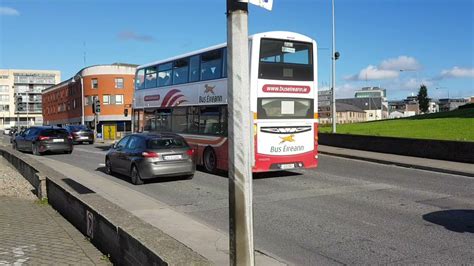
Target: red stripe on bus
[(174, 99), (168, 96)]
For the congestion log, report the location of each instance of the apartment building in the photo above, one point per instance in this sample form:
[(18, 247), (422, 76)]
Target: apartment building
[(27, 85), (70, 102)]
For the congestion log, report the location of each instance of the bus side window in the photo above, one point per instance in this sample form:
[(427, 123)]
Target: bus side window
[(194, 68), (224, 65), (140, 79), (150, 77), (211, 65), (180, 71), (164, 74)]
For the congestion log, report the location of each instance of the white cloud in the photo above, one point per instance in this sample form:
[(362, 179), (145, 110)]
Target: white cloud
[(402, 62), (131, 35), (345, 91), (387, 69), (413, 83), (8, 11), (457, 72), (374, 73)]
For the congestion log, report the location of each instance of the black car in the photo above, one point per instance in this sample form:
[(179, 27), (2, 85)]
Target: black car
[(80, 134), (39, 140)]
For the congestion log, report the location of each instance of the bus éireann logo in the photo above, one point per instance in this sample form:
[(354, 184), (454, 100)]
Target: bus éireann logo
[(209, 89), (209, 95), (289, 138)]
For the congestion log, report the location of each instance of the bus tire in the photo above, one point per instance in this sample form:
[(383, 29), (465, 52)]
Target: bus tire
[(210, 160)]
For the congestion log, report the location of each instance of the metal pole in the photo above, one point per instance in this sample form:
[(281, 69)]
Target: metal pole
[(132, 126), (240, 136), (82, 101), (334, 118), (27, 106)]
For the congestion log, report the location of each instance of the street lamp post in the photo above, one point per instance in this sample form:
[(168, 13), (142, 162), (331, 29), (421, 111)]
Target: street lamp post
[(335, 56)]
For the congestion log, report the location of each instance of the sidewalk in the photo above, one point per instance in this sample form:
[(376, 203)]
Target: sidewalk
[(456, 168), (31, 232)]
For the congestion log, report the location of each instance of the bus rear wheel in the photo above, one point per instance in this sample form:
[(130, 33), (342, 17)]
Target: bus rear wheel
[(210, 160)]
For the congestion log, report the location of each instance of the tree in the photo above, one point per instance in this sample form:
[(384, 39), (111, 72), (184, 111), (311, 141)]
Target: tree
[(423, 100)]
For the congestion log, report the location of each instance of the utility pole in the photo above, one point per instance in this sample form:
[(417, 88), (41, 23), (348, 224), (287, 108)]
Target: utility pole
[(335, 56), (240, 136)]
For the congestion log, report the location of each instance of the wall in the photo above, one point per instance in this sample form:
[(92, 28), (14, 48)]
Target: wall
[(456, 151)]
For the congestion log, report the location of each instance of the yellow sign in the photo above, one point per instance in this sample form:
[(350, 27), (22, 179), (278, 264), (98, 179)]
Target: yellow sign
[(289, 138)]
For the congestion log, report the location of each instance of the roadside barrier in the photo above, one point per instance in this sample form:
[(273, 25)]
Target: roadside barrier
[(114, 231), (456, 151)]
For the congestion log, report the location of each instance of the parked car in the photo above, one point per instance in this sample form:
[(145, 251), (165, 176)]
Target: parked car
[(6, 131), (39, 140), (13, 130), (15, 133), (146, 156), (81, 134)]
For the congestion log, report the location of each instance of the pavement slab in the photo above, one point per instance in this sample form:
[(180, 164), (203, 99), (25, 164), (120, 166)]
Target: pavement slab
[(31, 232)]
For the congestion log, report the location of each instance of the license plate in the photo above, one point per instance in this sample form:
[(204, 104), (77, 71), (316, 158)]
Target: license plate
[(173, 157), (287, 166), (58, 140)]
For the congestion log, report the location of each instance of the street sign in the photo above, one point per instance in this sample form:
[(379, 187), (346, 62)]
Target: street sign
[(324, 97), (267, 4), (327, 92), (324, 103)]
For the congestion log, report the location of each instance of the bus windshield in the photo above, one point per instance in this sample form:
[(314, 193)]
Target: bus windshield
[(284, 108), (285, 60)]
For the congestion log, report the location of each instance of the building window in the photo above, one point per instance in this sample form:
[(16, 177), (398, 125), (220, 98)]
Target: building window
[(95, 83), (119, 83), (4, 88), (106, 99), (119, 99)]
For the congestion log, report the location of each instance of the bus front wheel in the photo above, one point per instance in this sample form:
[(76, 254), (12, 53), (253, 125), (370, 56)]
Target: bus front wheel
[(210, 160)]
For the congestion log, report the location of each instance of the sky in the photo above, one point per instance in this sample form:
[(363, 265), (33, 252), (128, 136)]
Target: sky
[(394, 44)]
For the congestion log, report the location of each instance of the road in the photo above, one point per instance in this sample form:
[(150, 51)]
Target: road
[(345, 212)]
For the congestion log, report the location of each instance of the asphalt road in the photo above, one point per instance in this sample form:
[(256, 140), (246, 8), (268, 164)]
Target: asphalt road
[(345, 212)]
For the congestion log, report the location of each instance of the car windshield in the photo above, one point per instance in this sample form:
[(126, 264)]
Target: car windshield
[(54, 133), (166, 143), (78, 128)]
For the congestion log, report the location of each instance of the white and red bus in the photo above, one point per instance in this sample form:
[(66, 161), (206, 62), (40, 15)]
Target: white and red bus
[(187, 94)]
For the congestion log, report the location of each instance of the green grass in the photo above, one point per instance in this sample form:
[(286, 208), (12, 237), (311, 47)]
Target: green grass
[(43, 201), (454, 125)]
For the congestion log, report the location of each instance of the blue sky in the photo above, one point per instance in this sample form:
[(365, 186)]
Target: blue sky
[(432, 39)]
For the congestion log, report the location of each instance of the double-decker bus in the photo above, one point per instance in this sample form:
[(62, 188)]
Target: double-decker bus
[(187, 94)]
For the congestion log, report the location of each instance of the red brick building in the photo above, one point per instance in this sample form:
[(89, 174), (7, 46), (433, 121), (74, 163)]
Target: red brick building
[(70, 102)]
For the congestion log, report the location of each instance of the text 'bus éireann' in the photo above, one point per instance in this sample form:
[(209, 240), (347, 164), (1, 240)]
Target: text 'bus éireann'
[(187, 94)]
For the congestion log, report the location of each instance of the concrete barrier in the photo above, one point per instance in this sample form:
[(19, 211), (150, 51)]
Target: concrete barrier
[(28, 171), (456, 151), (114, 231)]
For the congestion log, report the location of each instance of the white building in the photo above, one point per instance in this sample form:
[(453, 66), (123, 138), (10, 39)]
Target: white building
[(28, 85)]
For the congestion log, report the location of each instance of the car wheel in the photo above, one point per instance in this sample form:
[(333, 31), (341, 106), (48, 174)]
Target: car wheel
[(108, 167), (34, 150), (68, 152), (135, 175), (210, 160)]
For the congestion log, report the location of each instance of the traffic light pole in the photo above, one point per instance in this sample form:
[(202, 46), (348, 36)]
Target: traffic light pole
[(240, 136)]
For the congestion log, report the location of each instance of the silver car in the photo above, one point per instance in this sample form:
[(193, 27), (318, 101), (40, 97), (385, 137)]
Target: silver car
[(146, 156)]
